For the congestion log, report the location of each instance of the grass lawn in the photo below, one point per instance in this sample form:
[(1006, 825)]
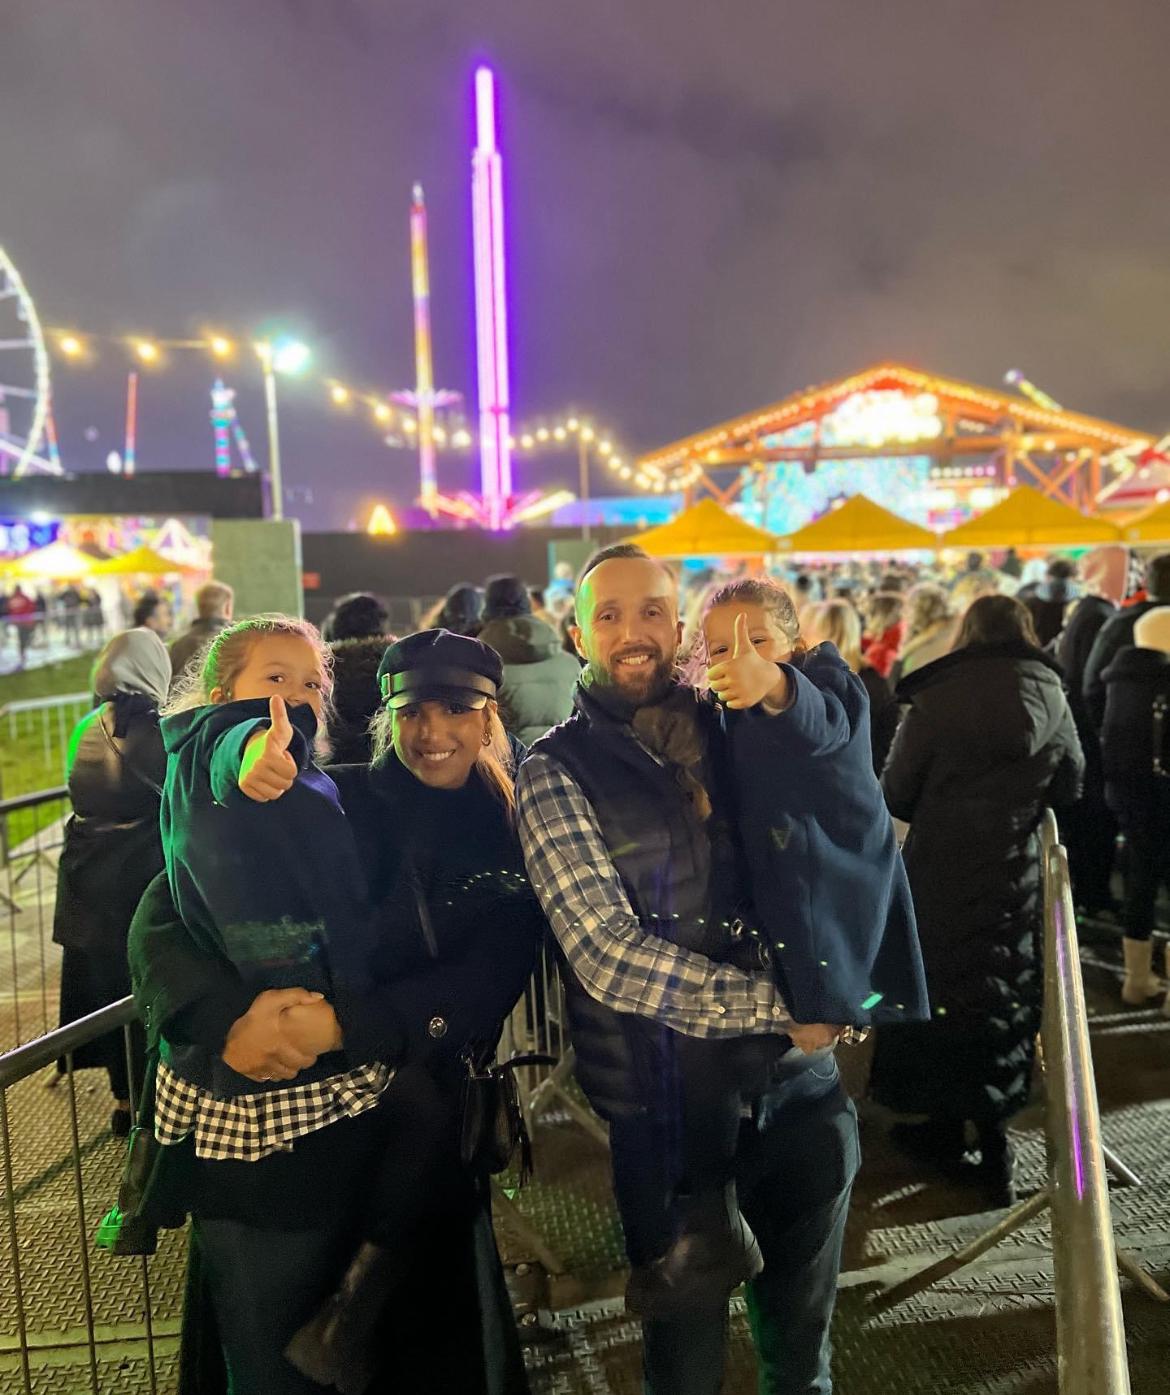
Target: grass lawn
[(25, 765)]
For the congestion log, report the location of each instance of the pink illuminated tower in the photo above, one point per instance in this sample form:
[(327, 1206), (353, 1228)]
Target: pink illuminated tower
[(491, 322), (425, 379)]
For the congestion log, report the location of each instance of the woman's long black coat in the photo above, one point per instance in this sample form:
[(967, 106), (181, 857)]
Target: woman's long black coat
[(987, 743)]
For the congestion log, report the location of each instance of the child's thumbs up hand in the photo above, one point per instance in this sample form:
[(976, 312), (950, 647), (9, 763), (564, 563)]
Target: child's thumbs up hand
[(743, 640), (267, 770), (746, 678)]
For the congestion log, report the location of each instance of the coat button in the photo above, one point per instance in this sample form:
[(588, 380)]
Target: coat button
[(437, 1027)]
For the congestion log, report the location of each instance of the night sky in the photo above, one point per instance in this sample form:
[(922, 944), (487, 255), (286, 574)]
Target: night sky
[(710, 205)]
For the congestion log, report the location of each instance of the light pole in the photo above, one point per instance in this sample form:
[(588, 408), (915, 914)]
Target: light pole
[(584, 436), (284, 356)]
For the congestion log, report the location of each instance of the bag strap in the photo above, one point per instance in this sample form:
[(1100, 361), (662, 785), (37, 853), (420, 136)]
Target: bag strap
[(140, 776), (527, 1058), (1161, 736)]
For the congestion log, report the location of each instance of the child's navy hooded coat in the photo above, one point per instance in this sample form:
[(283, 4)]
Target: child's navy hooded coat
[(827, 877), (275, 888)]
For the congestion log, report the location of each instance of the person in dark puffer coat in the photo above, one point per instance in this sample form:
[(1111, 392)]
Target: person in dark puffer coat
[(356, 698), (987, 743), (539, 677), (1117, 632), (1089, 828), (1135, 755)]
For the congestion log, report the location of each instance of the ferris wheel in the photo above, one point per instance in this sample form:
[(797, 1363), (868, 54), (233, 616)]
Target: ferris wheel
[(24, 377)]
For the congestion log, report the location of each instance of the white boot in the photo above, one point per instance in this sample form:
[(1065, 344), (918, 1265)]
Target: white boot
[(1141, 983)]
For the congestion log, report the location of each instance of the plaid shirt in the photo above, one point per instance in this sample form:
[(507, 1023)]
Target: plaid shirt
[(617, 963), (247, 1128)]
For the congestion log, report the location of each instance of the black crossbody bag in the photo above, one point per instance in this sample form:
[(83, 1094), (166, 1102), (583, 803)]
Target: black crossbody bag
[(491, 1119)]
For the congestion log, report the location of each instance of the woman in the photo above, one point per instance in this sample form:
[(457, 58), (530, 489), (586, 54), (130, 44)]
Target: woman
[(1135, 756), (432, 817), (987, 743), (930, 629), (112, 846), (839, 623)]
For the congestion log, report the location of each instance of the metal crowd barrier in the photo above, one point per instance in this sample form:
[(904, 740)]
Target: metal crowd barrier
[(1090, 1329), (70, 1313), (31, 835), (39, 728), (538, 1024)]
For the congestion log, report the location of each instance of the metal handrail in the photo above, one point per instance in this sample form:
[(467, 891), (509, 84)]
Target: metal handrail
[(31, 801), (43, 703), (23, 1061), (1090, 1329)]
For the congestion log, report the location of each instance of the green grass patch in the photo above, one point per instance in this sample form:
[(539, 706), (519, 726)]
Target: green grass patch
[(68, 676), (32, 745)]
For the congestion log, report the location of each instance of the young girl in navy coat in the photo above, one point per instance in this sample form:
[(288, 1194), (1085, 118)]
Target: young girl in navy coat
[(265, 874), (831, 900)]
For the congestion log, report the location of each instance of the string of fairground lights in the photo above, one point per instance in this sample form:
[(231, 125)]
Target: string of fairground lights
[(150, 352)]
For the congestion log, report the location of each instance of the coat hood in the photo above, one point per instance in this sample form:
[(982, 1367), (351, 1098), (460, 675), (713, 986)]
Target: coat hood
[(1133, 662), (214, 719), (1009, 698), (521, 639)]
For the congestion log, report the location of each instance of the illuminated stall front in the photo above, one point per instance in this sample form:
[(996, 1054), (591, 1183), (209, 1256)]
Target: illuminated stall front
[(932, 449)]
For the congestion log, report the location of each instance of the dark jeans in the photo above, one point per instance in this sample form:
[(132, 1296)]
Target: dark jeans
[(797, 1158), (263, 1284), (1146, 867), (1089, 831)]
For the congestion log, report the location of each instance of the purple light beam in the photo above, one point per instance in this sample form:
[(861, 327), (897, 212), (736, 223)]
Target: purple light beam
[(491, 322)]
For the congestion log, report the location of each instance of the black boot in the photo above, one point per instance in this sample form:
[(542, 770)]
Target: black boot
[(336, 1346), (713, 1253), (997, 1165)]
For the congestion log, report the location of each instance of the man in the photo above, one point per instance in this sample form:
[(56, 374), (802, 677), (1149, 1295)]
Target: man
[(637, 893), (153, 612), (1117, 633), (213, 612), (1048, 603)]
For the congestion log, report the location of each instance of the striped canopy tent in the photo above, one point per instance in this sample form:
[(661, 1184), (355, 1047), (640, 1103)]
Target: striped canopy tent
[(1153, 526), (57, 562), (706, 530), (859, 525), (144, 561), (1027, 518)]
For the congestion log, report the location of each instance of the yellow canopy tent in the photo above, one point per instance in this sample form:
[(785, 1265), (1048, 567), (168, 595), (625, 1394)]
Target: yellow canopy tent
[(706, 530), (57, 562), (1153, 526), (143, 561), (1027, 518), (859, 525)]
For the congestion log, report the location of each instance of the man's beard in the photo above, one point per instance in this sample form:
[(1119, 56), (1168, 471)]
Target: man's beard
[(639, 687)]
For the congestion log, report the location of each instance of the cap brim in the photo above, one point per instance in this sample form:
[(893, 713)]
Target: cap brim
[(466, 697)]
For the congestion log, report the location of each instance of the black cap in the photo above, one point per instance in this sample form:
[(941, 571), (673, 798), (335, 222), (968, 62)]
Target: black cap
[(435, 665)]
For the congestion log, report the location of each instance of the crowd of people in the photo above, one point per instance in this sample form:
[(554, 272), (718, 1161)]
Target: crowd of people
[(757, 815), (70, 615)]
